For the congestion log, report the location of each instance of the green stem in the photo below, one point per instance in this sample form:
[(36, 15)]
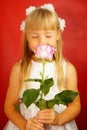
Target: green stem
[(43, 62), (43, 71)]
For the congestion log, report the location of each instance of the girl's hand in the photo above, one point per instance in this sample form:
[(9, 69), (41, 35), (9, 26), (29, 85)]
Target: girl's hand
[(34, 124), (47, 116)]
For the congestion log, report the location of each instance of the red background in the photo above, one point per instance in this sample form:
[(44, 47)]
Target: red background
[(12, 12)]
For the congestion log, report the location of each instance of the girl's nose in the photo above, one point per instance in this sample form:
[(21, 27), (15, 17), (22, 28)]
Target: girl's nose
[(42, 39)]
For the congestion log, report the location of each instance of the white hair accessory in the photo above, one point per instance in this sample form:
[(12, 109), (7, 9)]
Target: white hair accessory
[(45, 6), (30, 9), (22, 26), (62, 23), (48, 7)]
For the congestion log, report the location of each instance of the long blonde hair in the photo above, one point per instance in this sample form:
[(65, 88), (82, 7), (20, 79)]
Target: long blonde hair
[(37, 20)]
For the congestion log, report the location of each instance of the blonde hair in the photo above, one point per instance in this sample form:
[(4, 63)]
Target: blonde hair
[(37, 20)]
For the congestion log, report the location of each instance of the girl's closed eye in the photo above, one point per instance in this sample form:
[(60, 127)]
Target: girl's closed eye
[(34, 35), (49, 35)]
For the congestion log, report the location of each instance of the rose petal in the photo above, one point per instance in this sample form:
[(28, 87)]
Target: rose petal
[(44, 51)]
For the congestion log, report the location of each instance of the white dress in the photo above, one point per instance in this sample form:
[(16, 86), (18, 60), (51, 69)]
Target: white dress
[(33, 109)]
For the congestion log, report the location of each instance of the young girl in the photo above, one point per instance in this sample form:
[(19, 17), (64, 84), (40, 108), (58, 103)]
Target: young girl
[(42, 25)]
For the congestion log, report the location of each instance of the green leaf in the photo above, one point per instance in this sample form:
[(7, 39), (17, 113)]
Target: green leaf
[(17, 107), (42, 104), (45, 86), (29, 96), (65, 97), (34, 80), (51, 103)]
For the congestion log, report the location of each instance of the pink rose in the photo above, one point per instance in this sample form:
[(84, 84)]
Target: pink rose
[(44, 51)]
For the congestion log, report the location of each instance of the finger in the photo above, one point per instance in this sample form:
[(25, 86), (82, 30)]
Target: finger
[(45, 111), (33, 124), (49, 114), (46, 121)]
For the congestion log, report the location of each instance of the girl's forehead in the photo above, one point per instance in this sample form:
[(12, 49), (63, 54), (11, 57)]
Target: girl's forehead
[(42, 31), (41, 26)]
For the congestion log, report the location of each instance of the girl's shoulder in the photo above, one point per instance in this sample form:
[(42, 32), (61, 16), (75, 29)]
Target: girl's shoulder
[(17, 65), (69, 66), (71, 76), (70, 70), (16, 68)]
